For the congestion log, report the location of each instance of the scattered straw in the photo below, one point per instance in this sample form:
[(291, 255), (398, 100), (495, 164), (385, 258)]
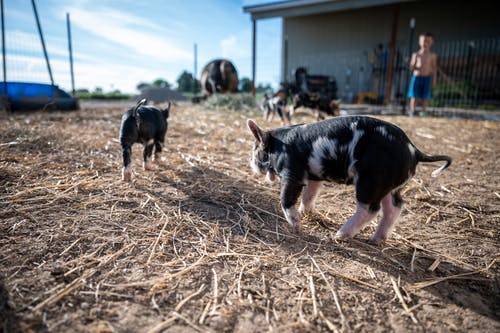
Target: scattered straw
[(401, 299), (201, 243), (424, 284)]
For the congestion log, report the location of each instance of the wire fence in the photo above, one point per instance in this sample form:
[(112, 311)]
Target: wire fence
[(468, 73)]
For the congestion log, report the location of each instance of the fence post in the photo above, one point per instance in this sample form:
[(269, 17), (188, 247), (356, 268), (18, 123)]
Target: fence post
[(468, 74), (5, 98), (43, 41), (410, 46), (392, 51)]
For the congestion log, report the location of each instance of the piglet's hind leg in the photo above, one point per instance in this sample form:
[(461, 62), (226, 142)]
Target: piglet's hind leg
[(391, 209), (362, 216), (127, 168), (158, 149), (148, 151)]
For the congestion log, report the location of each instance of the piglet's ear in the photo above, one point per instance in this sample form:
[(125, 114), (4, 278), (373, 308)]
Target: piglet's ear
[(166, 111), (257, 132)]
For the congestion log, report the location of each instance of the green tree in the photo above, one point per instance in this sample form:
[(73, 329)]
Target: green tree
[(245, 85), (261, 89), (161, 83), (187, 83), (143, 85)]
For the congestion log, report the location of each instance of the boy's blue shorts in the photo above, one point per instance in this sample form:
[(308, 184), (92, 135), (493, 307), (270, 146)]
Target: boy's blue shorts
[(420, 87)]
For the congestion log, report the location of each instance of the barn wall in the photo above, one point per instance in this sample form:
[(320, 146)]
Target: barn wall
[(341, 44)]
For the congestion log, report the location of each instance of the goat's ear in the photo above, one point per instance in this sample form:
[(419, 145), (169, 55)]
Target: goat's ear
[(257, 132)]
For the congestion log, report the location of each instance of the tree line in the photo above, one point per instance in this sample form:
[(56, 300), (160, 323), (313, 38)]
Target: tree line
[(186, 83)]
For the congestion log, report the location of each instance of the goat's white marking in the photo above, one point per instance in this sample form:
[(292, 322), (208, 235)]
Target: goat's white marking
[(150, 142), (322, 148)]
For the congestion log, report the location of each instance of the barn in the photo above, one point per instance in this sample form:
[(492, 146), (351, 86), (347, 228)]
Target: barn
[(364, 45)]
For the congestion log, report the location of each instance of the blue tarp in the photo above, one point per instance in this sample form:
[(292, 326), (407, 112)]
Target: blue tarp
[(35, 96)]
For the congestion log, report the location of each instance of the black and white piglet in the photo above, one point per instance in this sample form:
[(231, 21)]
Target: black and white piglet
[(375, 155), (142, 124), (275, 105)]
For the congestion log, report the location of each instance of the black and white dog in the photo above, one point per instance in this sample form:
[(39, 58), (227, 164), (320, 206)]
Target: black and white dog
[(375, 155), (142, 124)]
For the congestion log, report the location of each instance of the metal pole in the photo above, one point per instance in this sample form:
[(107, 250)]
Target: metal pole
[(3, 53), (254, 38), (4, 100), (390, 65), (70, 55), (470, 69), (410, 46), (195, 71), (285, 61), (43, 41)]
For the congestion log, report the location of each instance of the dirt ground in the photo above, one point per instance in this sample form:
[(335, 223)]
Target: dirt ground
[(201, 245)]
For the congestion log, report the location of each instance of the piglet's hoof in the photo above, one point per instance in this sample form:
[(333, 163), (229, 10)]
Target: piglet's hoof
[(148, 166), (341, 236), (376, 241), (127, 174), (158, 159)]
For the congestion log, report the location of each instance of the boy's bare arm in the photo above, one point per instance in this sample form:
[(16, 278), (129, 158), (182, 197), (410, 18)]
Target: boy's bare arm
[(434, 68), (413, 61)]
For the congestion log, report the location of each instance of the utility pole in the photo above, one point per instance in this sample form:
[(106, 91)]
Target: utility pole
[(195, 71), (70, 55), (254, 51)]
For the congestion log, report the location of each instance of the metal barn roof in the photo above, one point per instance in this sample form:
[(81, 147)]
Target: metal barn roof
[(311, 7)]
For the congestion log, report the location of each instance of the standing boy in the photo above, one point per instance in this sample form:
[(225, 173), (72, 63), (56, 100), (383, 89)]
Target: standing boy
[(424, 66)]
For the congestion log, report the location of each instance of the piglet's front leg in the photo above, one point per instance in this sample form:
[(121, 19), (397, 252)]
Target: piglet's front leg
[(290, 192), (127, 168)]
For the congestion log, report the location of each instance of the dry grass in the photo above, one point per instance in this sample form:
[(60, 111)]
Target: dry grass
[(200, 245)]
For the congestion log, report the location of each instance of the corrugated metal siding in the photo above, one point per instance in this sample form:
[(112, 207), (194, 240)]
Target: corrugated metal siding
[(339, 44)]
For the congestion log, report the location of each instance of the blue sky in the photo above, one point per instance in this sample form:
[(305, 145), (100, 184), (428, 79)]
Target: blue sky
[(119, 43)]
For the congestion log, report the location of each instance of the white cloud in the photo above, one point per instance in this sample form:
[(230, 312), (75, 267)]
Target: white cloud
[(228, 45), (134, 33), (236, 46)]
